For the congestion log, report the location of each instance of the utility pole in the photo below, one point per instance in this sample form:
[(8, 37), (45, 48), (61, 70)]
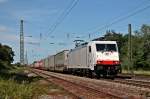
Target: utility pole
[(21, 43), (130, 66), (89, 36)]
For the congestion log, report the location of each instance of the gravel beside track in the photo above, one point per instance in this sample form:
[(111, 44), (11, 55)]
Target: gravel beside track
[(81, 91), (137, 83), (95, 89)]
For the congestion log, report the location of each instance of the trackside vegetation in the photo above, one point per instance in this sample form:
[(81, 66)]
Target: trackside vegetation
[(15, 82), (15, 85), (10, 89)]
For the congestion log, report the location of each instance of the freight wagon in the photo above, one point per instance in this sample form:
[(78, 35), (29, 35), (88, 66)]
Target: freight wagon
[(46, 64), (38, 64), (60, 61), (51, 63)]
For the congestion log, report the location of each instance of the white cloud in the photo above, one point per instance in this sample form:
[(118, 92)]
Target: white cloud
[(15, 38), (31, 39), (8, 37), (2, 1), (34, 14), (3, 28), (6, 34)]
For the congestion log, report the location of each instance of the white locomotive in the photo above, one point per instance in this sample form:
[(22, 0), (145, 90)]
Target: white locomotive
[(99, 57)]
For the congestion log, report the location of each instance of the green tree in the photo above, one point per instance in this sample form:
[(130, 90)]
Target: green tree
[(145, 30), (6, 54), (141, 48)]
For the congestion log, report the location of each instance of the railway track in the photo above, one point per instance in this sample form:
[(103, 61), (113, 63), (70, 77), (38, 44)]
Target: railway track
[(84, 89), (79, 90), (133, 82)]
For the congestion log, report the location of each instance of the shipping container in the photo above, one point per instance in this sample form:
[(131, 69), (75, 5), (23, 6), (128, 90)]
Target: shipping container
[(51, 63), (61, 61), (46, 64)]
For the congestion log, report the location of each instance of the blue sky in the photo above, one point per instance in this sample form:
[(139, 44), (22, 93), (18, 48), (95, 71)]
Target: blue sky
[(88, 16)]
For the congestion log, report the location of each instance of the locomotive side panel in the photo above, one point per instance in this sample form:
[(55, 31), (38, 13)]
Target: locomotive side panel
[(77, 58)]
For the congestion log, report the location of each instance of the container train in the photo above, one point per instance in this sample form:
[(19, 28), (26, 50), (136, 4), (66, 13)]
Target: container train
[(100, 58)]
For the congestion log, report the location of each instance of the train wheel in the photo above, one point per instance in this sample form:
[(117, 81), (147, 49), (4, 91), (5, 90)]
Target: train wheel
[(112, 77), (84, 72), (104, 74), (81, 73), (90, 74), (98, 75)]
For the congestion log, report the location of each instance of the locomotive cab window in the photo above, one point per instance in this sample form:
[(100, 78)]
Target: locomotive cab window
[(111, 47), (90, 49), (106, 47)]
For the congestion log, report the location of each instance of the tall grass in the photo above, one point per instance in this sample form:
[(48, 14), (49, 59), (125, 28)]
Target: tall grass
[(10, 89), (138, 72), (15, 85)]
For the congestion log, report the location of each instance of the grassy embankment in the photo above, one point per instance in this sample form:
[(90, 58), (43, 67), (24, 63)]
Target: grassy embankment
[(138, 72), (15, 85)]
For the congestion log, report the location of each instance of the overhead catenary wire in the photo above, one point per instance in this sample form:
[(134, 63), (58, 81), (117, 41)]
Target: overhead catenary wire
[(117, 19), (63, 16), (122, 18), (60, 19), (74, 3)]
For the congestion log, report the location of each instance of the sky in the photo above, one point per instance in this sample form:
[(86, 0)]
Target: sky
[(92, 17)]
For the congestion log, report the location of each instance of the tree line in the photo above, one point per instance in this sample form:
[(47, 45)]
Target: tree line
[(140, 47)]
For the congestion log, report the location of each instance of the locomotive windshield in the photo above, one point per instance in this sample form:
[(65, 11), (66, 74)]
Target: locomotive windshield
[(106, 47)]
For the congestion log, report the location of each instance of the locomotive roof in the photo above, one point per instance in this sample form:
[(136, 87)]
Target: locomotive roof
[(102, 42), (105, 42), (99, 42)]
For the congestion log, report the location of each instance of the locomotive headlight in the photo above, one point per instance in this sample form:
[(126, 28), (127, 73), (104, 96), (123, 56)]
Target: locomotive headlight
[(116, 62), (99, 62)]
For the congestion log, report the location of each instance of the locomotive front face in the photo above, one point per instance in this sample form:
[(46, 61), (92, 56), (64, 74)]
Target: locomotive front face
[(106, 58), (107, 54)]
